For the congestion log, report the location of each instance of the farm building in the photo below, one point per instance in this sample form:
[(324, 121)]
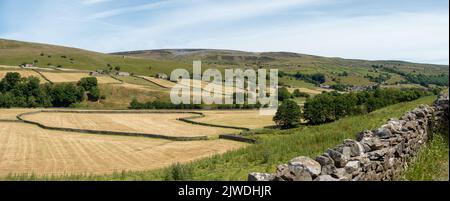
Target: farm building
[(123, 74), (162, 76), (27, 65), (324, 86), (95, 73)]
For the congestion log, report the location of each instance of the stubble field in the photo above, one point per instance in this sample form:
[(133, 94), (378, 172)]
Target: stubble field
[(26, 149), (147, 123), (75, 77)]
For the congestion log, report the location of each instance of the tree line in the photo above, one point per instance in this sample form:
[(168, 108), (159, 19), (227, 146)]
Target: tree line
[(136, 105), (17, 91), (422, 79), (316, 78), (332, 106)]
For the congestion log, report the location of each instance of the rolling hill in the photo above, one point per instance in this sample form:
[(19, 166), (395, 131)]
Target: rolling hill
[(149, 62)]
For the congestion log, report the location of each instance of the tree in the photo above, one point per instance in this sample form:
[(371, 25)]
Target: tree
[(297, 93), (319, 78), (6, 100), (117, 68), (94, 94), (283, 94), (63, 95), (288, 115), (88, 83), (10, 81)]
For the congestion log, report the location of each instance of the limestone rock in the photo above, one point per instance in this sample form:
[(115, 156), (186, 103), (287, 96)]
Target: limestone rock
[(356, 149), (309, 165), (327, 164), (382, 133), (339, 159), (352, 166)]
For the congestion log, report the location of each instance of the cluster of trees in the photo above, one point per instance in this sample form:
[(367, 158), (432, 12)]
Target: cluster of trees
[(329, 107), (16, 91), (317, 78), (378, 79), (288, 115), (135, 104), (90, 85), (298, 93), (284, 94), (425, 80), (422, 79), (343, 74)]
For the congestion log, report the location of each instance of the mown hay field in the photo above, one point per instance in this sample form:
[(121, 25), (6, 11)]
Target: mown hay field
[(10, 114), (239, 118), (312, 92), (75, 77), (27, 149), (148, 123), (168, 84), (23, 73)]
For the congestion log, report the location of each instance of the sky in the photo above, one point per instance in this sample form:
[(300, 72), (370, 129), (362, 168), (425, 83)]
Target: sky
[(409, 30)]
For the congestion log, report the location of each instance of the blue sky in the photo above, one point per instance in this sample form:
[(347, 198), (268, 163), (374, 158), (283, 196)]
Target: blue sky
[(411, 30)]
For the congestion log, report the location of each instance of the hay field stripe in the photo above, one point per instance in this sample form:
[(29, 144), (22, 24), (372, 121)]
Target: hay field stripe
[(132, 132), (47, 152)]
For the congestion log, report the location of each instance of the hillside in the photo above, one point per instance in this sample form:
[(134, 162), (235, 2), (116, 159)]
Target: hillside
[(150, 62), (15, 53), (336, 70)]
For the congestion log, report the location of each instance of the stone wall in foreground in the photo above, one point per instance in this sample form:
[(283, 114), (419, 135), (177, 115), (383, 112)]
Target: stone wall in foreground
[(378, 155)]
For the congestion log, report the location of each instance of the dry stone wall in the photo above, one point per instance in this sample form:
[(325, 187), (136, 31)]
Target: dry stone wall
[(378, 155)]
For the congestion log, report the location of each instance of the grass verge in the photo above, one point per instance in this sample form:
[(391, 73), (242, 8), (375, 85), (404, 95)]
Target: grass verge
[(432, 162)]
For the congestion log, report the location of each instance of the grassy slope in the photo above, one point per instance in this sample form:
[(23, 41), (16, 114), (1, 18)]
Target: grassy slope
[(15, 53), (119, 97), (276, 147), (292, 63), (151, 62)]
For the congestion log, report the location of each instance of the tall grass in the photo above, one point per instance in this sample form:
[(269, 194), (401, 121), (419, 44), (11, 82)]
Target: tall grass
[(432, 162), (275, 148)]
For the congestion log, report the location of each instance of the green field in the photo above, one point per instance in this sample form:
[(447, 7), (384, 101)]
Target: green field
[(276, 147)]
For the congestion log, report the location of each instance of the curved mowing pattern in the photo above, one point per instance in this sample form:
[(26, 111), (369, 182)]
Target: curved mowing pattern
[(111, 132), (27, 149)]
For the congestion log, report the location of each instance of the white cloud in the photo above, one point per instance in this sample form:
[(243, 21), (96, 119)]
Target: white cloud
[(125, 10), (419, 37), (90, 2), (241, 25)]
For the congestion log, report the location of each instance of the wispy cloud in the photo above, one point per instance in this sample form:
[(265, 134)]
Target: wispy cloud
[(416, 31), (90, 2), (125, 10)]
